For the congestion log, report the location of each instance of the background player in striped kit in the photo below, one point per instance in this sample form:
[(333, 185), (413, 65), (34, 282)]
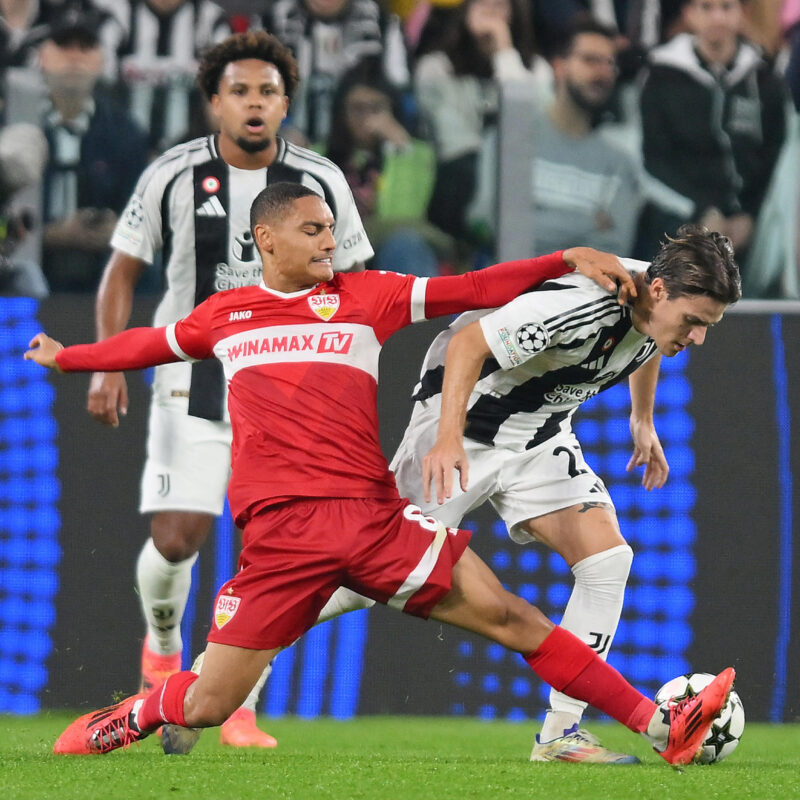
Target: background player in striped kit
[(506, 385), (193, 205)]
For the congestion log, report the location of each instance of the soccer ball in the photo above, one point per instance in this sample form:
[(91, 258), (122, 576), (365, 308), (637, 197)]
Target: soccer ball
[(727, 729)]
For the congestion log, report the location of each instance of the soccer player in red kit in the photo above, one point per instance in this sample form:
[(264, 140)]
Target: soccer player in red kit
[(314, 495)]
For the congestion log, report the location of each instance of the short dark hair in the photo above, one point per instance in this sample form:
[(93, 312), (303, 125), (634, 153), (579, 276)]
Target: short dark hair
[(273, 203), (581, 24), (253, 44), (697, 261)]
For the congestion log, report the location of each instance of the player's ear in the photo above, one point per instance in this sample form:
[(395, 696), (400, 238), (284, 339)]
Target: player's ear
[(658, 289), (214, 105), (262, 234)]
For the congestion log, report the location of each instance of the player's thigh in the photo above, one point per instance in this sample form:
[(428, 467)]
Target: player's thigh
[(478, 602), (398, 555), (291, 563), (188, 463), (578, 531), (407, 467)]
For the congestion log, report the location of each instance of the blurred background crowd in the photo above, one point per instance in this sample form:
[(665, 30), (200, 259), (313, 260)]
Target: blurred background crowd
[(469, 130)]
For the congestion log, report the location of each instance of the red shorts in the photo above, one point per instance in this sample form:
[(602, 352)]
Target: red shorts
[(298, 553)]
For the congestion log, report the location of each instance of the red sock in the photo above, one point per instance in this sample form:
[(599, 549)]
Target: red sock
[(165, 703), (572, 667)]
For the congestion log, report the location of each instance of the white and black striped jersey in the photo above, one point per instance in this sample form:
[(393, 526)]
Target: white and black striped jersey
[(195, 208), (553, 348), (157, 63)]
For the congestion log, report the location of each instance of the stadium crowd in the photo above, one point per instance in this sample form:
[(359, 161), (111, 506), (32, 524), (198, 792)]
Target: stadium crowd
[(407, 98)]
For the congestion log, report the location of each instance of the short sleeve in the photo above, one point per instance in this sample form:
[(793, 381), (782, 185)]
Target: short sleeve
[(516, 332), (191, 338), (139, 231)]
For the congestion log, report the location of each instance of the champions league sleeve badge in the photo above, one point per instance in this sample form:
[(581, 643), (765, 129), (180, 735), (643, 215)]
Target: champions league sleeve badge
[(532, 338), (324, 305)]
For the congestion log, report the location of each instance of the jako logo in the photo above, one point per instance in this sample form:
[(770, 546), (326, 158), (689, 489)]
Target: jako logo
[(237, 315)]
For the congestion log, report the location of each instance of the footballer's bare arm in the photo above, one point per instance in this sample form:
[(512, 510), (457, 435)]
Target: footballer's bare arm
[(108, 391)]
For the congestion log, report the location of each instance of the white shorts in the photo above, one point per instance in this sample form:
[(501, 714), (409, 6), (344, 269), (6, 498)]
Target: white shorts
[(520, 485), (188, 463)]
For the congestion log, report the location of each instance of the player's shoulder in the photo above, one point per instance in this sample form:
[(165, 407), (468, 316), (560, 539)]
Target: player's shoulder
[(578, 286), (239, 300), (302, 158), (172, 162)]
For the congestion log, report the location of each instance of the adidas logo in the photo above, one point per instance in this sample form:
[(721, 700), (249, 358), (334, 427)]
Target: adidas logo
[(211, 208)]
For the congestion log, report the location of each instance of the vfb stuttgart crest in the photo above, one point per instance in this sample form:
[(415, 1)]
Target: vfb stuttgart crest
[(226, 609), (324, 305)]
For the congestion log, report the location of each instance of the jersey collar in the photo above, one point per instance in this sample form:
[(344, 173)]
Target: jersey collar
[(286, 295)]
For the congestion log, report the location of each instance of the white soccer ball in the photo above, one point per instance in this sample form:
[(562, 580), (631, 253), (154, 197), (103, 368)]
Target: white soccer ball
[(727, 729)]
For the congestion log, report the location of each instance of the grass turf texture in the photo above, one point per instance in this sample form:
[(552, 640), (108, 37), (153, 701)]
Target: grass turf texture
[(387, 758)]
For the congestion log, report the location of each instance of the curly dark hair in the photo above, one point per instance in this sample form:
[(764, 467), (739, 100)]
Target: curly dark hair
[(253, 44), (697, 261)]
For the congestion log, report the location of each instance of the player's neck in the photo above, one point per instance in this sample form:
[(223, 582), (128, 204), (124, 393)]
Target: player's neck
[(241, 159), (641, 305)]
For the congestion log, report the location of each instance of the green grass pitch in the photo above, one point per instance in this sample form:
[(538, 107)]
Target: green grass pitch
[(387, 758)]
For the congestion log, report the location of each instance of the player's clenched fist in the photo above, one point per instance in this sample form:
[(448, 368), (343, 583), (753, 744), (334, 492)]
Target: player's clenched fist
[(43, 350)]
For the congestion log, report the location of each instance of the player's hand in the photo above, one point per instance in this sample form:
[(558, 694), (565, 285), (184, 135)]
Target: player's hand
[(43, 350), (605, 269), (438, 466), (647, 452), (108, 397)]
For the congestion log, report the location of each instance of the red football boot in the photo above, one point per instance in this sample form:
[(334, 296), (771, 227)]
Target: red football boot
[(240, 730), (102, 731), (157, 668), (691, 719)]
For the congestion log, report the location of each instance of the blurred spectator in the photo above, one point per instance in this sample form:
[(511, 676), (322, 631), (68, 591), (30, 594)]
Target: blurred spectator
[(328, 37), (158, 64), (586, 190), (790, 20), (24, 25), (713, 122), (389, 172), (23, 153), (457, 89), (96, 154)]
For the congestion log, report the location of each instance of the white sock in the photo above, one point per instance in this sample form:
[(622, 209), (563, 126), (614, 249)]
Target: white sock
[(163, 592), (342, 601), (657, 732), (251, 702), (592, 614)]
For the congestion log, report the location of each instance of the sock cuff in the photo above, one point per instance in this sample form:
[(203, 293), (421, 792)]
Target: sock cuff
[(157, 561), (165, 704), (597, 558)]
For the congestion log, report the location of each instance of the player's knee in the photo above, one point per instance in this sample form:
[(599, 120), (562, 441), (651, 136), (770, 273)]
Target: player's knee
[(178, 536), (606, 571)]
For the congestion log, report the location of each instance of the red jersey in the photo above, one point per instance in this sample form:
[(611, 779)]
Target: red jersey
[(302, 371)]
